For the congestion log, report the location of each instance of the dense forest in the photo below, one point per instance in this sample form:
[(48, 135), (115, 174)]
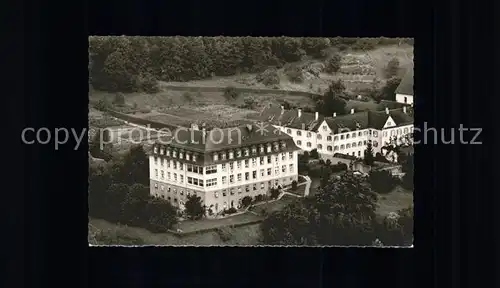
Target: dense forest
[(130, 63)]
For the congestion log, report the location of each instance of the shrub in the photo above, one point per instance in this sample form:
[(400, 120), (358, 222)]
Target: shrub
[(382, 181), (231, 210), (258, 198), (230, 93), (119, 99), (333, 63), (274, 193), (187, 97), (269, 77), (246, 201), (294, 73), (314, 154), (224, 234), (294, 185)]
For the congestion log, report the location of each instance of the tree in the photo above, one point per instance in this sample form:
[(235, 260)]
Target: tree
[(294, 185), (333, 63), (250, 102), (331, 102), (274, 192), (314, 154), (115, 195), (392, 68), (341, 213), (382, 181), (246, 201), (133, 206), (369, 158), (99, 182), (162, 215), (328, 162), (389, 89), (135, 167), (397, 228), (194, 208)]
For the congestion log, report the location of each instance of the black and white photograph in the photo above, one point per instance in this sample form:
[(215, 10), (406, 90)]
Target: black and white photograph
[(250, 141)]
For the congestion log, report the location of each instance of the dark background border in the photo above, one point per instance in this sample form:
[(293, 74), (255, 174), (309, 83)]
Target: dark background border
[(46, 228)]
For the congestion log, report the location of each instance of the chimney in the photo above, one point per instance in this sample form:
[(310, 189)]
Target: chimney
[(404, 109), (204, 132), (317, 116), (352, 111), (299, 111), (334, 114), (282, 109), (387, 110)]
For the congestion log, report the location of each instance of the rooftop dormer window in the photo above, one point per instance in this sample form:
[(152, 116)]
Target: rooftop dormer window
[(223, 155), (247, 152), (174, 154), (276, 147), (181, 155), (283, 145), (162, 151), (168, 152), (187, 156), (155, 149), (261, 149), (231, 155), (268, 148), (254, 150), (238, 153), (194, 158), (216, 156)]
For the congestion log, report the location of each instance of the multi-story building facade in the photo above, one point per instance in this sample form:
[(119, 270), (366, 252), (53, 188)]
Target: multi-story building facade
[(347, 134), (221, 166)]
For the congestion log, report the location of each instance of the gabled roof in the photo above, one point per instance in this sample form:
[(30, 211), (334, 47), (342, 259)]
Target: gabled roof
[(290, 118), (348, 122), (406, 85)]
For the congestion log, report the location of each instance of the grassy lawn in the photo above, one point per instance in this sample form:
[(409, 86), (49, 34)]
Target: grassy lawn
[(398, 199), (274, 206), (190, 226), (244, 235), (300, 190)]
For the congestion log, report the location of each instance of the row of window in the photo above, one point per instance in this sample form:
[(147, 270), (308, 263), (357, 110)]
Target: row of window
[(398, 132), (170, 163), (351, 135), (169, 176), (346, 146), (248, 188), (263, 173), (174, 153), (246, 151), (262, 161)]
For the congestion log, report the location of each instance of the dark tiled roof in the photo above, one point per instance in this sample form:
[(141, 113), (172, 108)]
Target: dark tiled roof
[(359, 120), (406, 85), (290, 118), (344, 156), (225, 139), (367, 119)]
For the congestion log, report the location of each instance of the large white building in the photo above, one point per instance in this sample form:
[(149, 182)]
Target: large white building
[(221, 166), (404, 92), (345, 134)]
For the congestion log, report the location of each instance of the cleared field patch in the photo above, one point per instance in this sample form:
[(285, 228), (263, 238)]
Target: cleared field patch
[(398, 199), (205, 224)]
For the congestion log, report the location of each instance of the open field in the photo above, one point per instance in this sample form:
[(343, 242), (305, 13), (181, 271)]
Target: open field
[(274, 206), (244, 235), (188, 226), (398, 199)]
